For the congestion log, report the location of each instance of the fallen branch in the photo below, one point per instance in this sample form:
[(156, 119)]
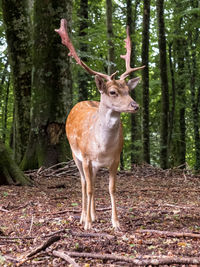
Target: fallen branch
[(3, 210), (16, 237), (103, 209), (55, 233), (145, 260), (82, 234), (168, 233), (63, 211), (64, 256), (97, 235), (45, 245), (42, 247), (56, 170), (57, 186), (16, 208), (75, 211)]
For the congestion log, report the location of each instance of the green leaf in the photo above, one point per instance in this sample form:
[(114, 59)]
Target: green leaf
[(74, 204)]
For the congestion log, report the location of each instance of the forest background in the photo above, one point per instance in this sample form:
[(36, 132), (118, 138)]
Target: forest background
[(39, 83)]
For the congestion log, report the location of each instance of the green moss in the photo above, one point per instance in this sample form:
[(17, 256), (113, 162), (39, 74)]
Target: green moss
[(9, 171)]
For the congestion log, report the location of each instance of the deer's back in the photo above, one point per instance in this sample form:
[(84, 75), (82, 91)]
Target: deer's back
[(82, 114)]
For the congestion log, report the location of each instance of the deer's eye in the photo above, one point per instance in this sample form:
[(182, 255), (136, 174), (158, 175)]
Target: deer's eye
[(113, 93)]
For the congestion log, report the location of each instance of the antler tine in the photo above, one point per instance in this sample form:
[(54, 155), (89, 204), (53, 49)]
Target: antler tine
[(127, 57), (62, 31)]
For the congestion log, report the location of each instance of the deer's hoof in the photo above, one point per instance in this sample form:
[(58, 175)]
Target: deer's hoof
[(83, 218), (116, 225), (93, 217), (88, 225)]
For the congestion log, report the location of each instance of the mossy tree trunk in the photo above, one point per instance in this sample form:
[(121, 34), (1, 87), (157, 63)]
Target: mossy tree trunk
[(194, 37), (180, 48), (136, 148), (9, 171), (145, 79), (164, 85), (180, 105), (52, 86), (18, 34)]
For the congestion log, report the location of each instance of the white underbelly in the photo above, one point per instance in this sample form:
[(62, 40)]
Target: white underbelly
[(98, 160)]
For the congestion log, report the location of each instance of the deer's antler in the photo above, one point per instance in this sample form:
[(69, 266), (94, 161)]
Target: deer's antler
[(62, 31), (127, 57)]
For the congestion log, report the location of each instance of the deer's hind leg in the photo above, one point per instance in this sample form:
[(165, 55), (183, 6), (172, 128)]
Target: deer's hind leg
[(90, 175), (83, 185)]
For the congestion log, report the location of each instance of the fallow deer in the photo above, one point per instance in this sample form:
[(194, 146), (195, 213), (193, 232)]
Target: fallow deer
[(94, 129)]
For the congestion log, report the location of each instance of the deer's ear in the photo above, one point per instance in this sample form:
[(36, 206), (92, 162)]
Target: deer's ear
[(100, 84), (133, 83)]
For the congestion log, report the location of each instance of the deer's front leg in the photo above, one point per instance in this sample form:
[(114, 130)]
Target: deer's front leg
[(112, 190), (89, 189)]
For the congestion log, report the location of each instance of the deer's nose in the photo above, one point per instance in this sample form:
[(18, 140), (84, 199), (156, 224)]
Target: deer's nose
[(134, 105)]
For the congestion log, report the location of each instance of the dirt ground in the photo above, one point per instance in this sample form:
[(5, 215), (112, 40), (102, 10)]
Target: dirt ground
[(159, 213)]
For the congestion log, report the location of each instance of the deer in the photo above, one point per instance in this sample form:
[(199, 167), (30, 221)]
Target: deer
[(94, 129)]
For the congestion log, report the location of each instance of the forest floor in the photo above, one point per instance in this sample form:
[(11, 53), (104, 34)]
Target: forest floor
[(159, 213)]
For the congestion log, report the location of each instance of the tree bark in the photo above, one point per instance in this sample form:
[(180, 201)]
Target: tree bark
[(9, 171), (181, 142), (195, 90), (82, 76), (110, 35), (180, 48), (18, 34), (52, 87), (145, 80), (173, 104), (5, 113), (136, 149), (164, 85)]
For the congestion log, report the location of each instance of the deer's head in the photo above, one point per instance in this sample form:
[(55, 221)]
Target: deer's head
[(115, 94)]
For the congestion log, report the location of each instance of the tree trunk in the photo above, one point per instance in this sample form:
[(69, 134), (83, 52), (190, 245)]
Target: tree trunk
[(82, 76), (52, 86), (164, 85), (18, 35), (193, 37), (5, 113), (173, 105), (135, 124), (111, 50), (9, 171), (180, 48), (181, 127), (145, 80)]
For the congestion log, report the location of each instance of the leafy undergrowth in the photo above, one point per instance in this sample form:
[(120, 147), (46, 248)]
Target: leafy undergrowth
[(147, 199)]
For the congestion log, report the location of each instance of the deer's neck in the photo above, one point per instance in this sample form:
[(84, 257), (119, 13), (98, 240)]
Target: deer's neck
[(108, 121)]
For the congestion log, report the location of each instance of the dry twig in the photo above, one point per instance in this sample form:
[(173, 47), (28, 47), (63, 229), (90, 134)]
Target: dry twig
[(63, 255), (29, 232)]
